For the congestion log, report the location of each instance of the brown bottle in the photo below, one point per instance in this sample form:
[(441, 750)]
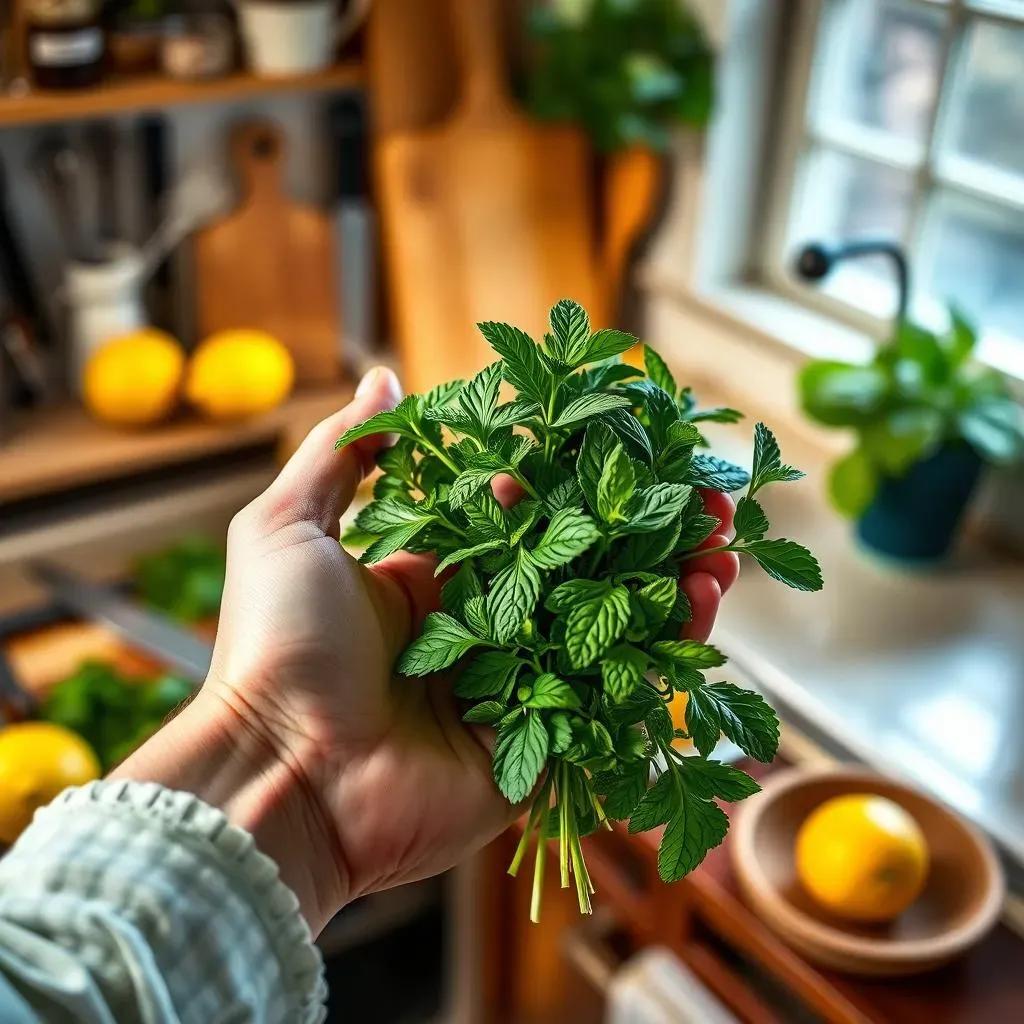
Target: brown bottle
[(66, 44)]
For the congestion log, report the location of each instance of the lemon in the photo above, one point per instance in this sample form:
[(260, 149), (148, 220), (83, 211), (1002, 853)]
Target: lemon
[(238, 373), (134, 380), (37, 761), (862, 857)]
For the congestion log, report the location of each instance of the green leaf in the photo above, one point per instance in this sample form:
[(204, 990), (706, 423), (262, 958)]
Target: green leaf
[(512, 413), (548, 691), (616, 486), (597, 446), (841, 395), (722, 414), (708, 779), (658, 723), (595, 625), (690, 654), (471, 552), (382, 515), (474, 614), (575, 592), (520, 755), (513, 595), (622, 670), (393, 540), (459, 589), (523, 366), (393, 421), (587, 406), (715, 474), (743, 715), (853, 483), (568, 535), (487, 519), (607, 343), (768, 467), (622, 792), (786, 561), (570, 331), (631, 432), (750, 523), (659, 372), (480, 397), (653, 603), (963, 337), (659, 804), (487, 674), (487, 712), (647, 550), (468, 484), (560, 732), (653, 508), (902, 438), (700, 826), (443, 641), (994, 427)]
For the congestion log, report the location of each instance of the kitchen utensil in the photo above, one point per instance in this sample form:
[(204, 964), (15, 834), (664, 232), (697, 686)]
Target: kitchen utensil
[(100, 141), (354, 234), (15, 277), (199, 196), (962, 899), (145, 629), (269, 265), (104, 301), (487, 217), (58, 168)]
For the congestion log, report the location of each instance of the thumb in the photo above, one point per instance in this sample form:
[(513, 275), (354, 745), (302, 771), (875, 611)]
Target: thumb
[(318, 483)]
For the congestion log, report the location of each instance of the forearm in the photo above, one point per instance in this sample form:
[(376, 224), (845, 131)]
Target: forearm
[(209, 751)]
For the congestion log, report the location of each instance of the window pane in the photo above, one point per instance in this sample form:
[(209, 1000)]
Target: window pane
[(840, 198), (972, 254), (1010, 8), (985, 122), (877, 67)]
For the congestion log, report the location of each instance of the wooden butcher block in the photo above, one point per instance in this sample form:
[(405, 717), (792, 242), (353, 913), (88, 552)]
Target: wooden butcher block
[(487, 217), (269, 265)]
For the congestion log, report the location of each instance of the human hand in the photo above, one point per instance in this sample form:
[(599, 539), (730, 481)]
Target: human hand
[(368, 780)]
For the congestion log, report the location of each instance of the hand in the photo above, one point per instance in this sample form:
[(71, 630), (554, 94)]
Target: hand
[(352, 779)]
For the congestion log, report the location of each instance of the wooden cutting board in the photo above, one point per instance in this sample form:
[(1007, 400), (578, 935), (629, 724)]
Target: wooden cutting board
[(269, 265), (487, 217)]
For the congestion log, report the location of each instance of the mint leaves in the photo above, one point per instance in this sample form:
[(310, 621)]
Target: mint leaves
[(562, 622)]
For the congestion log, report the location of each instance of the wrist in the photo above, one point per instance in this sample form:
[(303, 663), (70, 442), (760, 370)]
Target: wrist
[(210, 749)]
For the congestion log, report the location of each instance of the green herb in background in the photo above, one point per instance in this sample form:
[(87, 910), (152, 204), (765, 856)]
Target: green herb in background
[(186, 580), (111, 711), (627, 71), (565, 610), (919, 393)]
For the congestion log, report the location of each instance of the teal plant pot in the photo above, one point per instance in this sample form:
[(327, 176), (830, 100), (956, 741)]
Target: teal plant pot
[(915, 518)]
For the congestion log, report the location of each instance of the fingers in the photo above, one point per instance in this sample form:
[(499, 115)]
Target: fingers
[(407, 591), (722, 507), (705, 596), (318, 483), (723, 565)]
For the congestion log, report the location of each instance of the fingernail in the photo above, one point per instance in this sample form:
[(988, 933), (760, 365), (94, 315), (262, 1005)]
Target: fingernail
[(368, 381)]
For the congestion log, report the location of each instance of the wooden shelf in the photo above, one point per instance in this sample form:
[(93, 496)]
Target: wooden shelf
[(62, 448), (158, 92)]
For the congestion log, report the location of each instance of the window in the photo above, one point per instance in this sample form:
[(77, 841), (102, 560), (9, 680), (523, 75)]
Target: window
[(906, 121)]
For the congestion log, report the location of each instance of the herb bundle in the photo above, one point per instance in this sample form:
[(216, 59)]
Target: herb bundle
[(565, 611)]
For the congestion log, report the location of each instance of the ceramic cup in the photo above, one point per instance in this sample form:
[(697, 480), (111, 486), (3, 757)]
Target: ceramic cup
[(300, 37)]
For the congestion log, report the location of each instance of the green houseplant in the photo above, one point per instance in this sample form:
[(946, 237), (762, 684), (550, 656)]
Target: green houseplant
[(627, 72), (926, 419)]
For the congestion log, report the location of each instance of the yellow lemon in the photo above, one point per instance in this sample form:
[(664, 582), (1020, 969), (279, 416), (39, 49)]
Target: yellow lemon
[(37, 761), (234, 374), (862, 857), (134, 380)]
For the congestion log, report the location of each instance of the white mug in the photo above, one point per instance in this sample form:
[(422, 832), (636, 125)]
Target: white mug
[(296, 37)]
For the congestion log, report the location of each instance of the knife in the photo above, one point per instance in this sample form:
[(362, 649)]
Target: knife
[(143, 628), (353, 231)]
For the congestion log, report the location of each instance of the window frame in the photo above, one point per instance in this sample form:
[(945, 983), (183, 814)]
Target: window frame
[(796, 133)]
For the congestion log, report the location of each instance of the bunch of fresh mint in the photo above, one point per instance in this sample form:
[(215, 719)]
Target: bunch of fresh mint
[(565, 612)]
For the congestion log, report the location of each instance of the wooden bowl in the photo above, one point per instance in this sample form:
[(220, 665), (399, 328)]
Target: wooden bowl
[(962, 899)]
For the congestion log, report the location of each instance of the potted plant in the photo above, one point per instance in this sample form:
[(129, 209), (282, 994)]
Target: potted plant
[(627, 72), (926, 421)]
